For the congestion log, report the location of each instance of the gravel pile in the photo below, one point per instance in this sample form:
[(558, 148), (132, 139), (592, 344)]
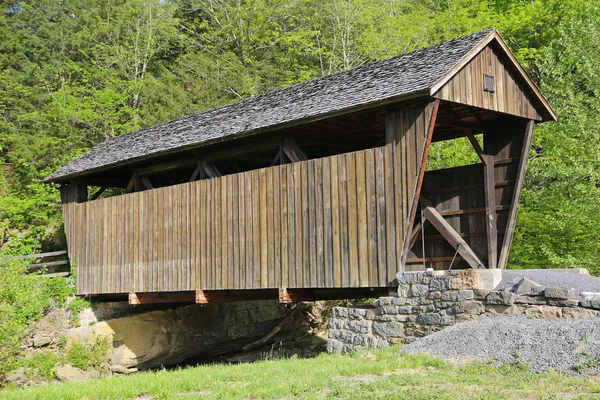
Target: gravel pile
[(558, 279), (543, 344)]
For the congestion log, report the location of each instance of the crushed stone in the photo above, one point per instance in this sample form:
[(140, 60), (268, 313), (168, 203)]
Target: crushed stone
[(557, 344)]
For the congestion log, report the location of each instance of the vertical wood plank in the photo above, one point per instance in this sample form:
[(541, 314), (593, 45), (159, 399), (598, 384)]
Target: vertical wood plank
[(335, 222)]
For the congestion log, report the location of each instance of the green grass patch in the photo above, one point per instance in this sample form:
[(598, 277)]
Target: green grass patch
[(382, 374)]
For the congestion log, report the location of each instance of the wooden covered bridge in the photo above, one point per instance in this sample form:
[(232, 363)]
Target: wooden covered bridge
[(314, 191)]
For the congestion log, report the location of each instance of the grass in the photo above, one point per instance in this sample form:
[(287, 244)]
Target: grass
[(381, 374)]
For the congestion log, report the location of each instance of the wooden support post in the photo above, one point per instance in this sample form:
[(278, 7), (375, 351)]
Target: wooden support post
[(132, 185), (198, 173), (201, 297), (490, 211), (291, 149), (417, 196), (276, 160), (82, 193), (210, 170), (452, 237), (146, 182), (512, 216), (284, 296)]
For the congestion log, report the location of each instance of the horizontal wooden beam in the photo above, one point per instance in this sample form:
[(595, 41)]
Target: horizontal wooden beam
[(465, 188), (39, 255), (48, 264), (160, 298), (285, 295)]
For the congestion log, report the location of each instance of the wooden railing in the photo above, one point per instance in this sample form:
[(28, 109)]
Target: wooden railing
[(51, 268)]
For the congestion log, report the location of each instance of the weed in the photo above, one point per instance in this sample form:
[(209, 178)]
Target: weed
[(40, 366), (89, 355), (76, 306)]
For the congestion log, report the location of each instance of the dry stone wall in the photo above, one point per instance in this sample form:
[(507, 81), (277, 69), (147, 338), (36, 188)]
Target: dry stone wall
[(426, 302)]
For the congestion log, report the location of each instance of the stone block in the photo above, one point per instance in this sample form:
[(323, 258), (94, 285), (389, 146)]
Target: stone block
[(544, 312), (423, 309), (473, 307), (498, 297), (595, 304), (449, 296), (429, 319), (358, 326), (563, 303), (504, 309), (532, 300), (361, 340), (480, 294), (419, 290), (390, 310), (340, 312), (439, 283), (410, 278), (590, 296), (455, 310), (490, 278), (336, 323), (467, 279), (342, 335), (465, 295), (383, 301), (448, 320), (434, 295), (357, 313), (405, 310), (528, 287), (41, 341), (445, 304), (334, 346), (577, 313), (590, 300), (559, 293), (404, 290), (388, 329)]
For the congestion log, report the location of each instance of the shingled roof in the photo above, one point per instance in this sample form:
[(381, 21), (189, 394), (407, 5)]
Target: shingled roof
[(391, 79)]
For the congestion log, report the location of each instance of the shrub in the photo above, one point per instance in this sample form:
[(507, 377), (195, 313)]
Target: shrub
[(22, 302)]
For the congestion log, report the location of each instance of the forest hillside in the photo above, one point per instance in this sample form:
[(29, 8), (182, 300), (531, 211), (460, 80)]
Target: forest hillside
[(74, 73)]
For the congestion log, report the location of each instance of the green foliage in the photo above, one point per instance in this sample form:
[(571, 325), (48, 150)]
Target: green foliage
[(23, 299), (40, 366), (381, 374), (58, 289), (90, 355), (21, 303), (76, 306), (74, 73)]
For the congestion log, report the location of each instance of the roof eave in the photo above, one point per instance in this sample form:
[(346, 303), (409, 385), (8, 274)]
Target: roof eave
[(78, 175)]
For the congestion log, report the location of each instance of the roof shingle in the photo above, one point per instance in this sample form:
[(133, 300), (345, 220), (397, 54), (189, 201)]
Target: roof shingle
[(379, 81)]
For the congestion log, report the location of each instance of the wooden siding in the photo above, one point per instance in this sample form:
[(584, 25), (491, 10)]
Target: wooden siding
[(314, 224), (512, 95)]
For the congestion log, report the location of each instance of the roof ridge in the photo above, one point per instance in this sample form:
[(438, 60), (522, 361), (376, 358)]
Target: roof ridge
[(389, 78)]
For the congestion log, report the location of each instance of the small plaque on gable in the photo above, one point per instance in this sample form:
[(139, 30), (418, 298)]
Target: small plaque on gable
[(489, 84)]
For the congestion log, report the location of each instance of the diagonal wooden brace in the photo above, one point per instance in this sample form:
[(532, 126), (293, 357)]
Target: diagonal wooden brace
[(452, 237)]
